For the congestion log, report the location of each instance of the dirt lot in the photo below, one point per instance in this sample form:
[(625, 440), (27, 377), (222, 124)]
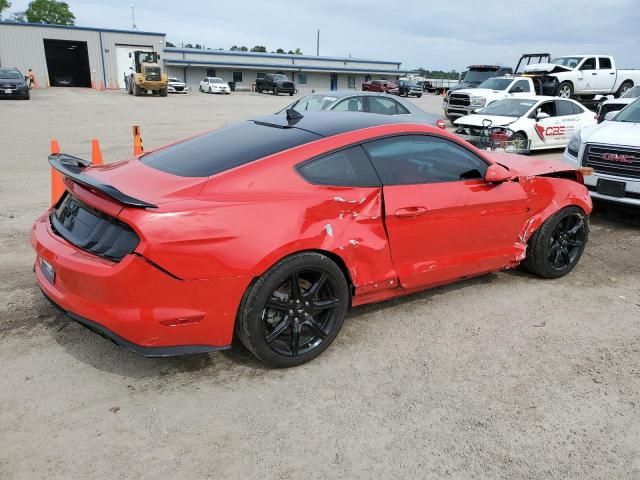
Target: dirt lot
[(506, 376)]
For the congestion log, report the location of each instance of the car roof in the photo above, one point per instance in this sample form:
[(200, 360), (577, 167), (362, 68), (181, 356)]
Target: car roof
[(328, 123), (338, 94)]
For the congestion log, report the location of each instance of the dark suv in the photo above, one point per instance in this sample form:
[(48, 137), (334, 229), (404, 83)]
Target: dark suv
[(276, 83), (13, 84)]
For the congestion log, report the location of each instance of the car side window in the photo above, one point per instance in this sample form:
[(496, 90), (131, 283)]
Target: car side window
[(415, 159), (546, 107), (589, 64), (605, 63), (352, 104), (385, 106), (577, 109), (350, 167), (564, 108), (520, 86)]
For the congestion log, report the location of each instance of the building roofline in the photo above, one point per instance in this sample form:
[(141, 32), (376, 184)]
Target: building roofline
[(73, 27), (275, 55), (277, 66)]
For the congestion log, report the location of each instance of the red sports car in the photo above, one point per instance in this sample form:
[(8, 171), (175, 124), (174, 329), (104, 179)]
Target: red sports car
[(274, 228)]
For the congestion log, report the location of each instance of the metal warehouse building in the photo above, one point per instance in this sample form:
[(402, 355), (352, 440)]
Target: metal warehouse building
[(99, 58)]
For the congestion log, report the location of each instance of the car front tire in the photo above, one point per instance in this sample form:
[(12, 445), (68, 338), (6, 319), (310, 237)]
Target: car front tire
[(295, 310), (556, 247)]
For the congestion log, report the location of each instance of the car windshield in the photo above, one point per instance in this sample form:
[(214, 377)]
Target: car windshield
[(280, 77), (314, 103), (216, 80), (10, 74), (630, 114), (510, 107), (173, 79), (632, 93), (496, 83), (571, 62), (479, 75)]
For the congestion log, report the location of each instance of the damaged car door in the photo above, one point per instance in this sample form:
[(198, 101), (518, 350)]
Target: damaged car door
[(444, 221)]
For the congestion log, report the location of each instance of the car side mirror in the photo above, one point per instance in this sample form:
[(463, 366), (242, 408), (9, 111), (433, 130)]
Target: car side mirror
[(611, 115), (542, 115), (496, 173)]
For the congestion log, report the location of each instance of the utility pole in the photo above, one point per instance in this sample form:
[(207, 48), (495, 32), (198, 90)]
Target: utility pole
[(318, 44), (133, 18)]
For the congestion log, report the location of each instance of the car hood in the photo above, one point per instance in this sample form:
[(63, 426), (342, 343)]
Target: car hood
[(477, 120), (134, 178), (611, 132), (463, 85), (546, 68), (176, 83), (524, 166)]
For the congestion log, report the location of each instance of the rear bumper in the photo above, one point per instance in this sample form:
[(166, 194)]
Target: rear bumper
[(133, 302), (150, 352)]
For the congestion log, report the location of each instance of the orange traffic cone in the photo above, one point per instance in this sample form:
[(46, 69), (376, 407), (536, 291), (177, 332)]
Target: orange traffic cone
[(57, 182), (96, 154), (137, 141)]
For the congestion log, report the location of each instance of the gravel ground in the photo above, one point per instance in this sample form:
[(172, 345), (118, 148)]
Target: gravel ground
[(505, 376)]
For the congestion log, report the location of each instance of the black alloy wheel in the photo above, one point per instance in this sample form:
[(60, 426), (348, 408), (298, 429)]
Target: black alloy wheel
[(295, 310), (555, 249), (566, 242)]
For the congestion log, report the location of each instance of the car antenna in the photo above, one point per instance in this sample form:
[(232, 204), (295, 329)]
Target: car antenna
[(293, 116)]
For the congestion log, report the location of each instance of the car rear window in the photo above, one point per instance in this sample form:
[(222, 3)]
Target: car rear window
[(225, 149)]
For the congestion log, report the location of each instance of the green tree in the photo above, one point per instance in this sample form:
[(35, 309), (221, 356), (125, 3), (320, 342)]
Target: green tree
[(259, 48), (4, 4), (280, 51), (297, 52), (234, 48), (243, 49), (47, 11)]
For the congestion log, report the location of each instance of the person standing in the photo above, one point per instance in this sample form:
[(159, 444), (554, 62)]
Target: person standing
[(32, 78)]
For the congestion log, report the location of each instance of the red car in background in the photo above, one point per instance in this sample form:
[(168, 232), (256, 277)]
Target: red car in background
[(378, 86), (275, 227)]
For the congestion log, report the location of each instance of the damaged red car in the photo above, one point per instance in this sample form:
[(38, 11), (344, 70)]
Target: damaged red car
[(274, 228)]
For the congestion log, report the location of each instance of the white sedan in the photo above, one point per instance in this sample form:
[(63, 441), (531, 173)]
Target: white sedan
[(214, 85), (543, 122), (176, 86)]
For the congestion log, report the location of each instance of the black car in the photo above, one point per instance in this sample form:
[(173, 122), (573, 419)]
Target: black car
[(275, 83), (13, 84), (407, 88)]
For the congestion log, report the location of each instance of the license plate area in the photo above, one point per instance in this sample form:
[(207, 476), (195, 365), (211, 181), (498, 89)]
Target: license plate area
[(48, 271), (8, 90), (611, 188)]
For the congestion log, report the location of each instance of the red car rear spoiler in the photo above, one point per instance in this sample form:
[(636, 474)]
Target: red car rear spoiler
[(73, 168)]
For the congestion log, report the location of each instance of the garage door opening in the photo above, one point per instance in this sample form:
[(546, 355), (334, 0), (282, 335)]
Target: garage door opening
[(67, 63)]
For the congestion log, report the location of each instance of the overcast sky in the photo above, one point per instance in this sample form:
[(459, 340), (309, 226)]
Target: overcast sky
[(437, 34)]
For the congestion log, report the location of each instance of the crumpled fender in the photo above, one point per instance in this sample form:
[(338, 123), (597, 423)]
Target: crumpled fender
[(547, 196)]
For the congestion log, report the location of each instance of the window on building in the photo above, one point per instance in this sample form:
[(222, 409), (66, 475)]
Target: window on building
[(412, 159), (352, 82), (237, 77), (302, 78), (211, 72), (260, 74)]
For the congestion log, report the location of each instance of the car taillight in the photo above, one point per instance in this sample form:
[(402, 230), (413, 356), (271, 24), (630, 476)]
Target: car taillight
[(440, 124)]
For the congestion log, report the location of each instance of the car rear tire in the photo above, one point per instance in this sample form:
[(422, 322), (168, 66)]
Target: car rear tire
[(556, 247), (294, 311), (419, 95), (624, 88), (565, 90)]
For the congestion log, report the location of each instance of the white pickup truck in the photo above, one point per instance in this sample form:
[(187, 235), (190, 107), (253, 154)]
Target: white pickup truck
[(612, 150), (465, 101), (587, 75)]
